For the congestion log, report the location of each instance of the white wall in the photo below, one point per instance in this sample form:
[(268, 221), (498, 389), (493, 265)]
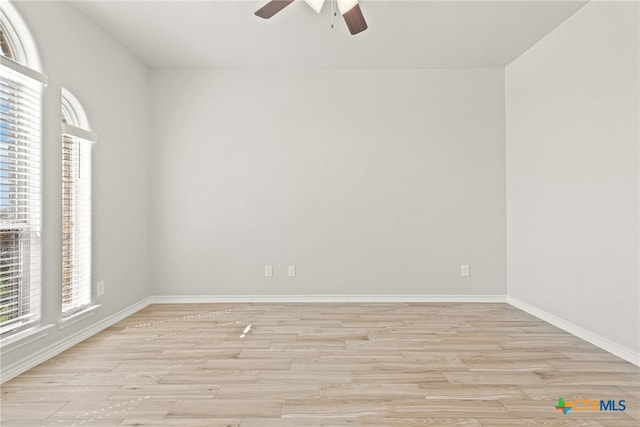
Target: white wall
[(112, 86), (573, 174), (370, 182)]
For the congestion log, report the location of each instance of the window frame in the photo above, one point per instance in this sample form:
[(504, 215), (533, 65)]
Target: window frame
[(22, 83), (77, 140)]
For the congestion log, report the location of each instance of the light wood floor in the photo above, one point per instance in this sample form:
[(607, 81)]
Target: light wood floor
[(302, 365)]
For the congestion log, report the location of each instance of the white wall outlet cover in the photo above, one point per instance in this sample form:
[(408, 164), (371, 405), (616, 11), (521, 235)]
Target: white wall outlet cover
[(100, 288), (268, 270), (291, 270), (464, 270)]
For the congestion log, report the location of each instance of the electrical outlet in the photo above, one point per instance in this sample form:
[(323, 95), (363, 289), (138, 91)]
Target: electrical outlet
[(464, 270), (268, 270), (100, 288), (291, 271)]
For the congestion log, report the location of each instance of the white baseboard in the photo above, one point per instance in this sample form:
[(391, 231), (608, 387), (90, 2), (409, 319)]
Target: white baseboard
[(15, 369), (199, 299), (595, 339)]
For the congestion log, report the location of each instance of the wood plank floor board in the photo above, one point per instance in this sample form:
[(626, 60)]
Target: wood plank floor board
[(119, 378), (546, 422), (187, 375), (590, 378), (180, 422), (158, 363), (58, 394), (279, 391), (420, 422), (226, 408), (331, 365), (397, 377), (324, 365), (308, 345), (462, 347), (507, 365), (29, 410), (511, 355), (592, 366), (138, 407), (592, 354), (304, 377), (99, 353), (388, 336), (336, 333), (483, 377), (450, 408), (632, 389), (52, 423), (383, 345), (365, 391), (199, 354), (280, 354), (44, 380), (612, 422), (336, 408), (571, 392), (360, 355), (427, 354), (257, 344), (249, 364), (297, 422), (448, 391), (166, 391), (420, 365)]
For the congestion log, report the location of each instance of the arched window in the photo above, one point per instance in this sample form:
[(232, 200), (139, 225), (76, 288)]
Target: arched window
[(17, 42), (77, 141), (72, 112), (21, 85)]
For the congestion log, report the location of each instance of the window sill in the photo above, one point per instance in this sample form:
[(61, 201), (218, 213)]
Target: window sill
[(76, 317), (22, 338)]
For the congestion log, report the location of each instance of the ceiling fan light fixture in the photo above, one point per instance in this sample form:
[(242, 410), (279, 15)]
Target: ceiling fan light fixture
[(346, 5), (349, 9), (315, 4)]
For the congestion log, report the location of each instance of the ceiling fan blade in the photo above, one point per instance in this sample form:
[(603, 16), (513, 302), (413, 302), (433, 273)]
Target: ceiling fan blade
[(316, 4), (355, 20), (273, 7)]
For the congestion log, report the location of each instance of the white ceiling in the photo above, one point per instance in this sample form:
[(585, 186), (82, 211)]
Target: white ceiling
[(401, 34)]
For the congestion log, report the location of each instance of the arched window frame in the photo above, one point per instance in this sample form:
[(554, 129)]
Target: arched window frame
[(21, 43), (72, 111)]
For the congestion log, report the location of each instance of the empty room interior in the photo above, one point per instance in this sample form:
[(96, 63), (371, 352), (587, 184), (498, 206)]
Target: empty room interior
[(320, 213)]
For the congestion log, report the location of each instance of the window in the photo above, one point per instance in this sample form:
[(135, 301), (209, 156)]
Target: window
[(5, 49), (20, 200), (77, 141)]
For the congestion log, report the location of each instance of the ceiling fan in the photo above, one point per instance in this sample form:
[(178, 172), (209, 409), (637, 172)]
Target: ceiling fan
[(349, 9)]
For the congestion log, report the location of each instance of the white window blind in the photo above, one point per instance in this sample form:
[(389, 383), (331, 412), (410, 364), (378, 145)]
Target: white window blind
[(76, 221), (20, 200)]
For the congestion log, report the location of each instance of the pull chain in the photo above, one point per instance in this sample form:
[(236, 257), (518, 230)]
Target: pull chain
[(333, 11)]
